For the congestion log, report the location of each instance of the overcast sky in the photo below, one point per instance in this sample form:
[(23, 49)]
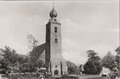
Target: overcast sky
[(85, 25)]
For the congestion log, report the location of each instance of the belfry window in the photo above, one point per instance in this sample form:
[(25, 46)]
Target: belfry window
[(56, 40), (55, 29)]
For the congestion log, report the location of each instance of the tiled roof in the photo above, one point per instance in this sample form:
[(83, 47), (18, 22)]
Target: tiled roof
[(37, 51)]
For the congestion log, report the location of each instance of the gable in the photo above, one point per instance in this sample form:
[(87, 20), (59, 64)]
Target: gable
[(42, 56), (37, 51)]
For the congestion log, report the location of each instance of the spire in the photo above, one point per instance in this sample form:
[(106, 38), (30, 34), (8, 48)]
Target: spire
[(53, 13), (53, 4)]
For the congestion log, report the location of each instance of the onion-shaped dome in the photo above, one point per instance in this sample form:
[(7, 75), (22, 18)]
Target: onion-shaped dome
[(53, 13)]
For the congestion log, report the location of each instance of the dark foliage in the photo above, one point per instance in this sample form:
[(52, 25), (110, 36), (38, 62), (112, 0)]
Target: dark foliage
[(108, 61), (72, 68), (89, 68), (93, 65), (18, 63)]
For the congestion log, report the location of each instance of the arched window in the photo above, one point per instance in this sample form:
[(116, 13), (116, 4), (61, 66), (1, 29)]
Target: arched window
[(55, 29), (56, 72), (56, 40), (54, 19)]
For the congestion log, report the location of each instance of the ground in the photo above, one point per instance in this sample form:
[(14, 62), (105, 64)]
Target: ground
[(73, 77)]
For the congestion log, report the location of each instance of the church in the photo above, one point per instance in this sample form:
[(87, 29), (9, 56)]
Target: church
[(51, 50)]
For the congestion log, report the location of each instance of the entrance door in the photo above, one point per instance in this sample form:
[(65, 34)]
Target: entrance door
[(56, 72)]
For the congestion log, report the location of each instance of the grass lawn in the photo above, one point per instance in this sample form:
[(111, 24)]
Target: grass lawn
[(91, 77)]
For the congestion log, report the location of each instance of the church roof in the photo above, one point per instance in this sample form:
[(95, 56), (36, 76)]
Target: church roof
[(37, 51)]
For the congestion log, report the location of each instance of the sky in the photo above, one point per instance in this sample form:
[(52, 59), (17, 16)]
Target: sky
[(86, 25)]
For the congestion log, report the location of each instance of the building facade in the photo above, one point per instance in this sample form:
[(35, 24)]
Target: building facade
[(54, 60), (51, 50)]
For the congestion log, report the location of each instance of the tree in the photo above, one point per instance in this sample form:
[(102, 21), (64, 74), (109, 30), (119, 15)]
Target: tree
[(34, 58), (108, 61), (93, 65), (33, 42), (72, 68), (22, 59), (10, 55), (12, 60), (117, 59), (40, 63), (90, 68), (92, 56)]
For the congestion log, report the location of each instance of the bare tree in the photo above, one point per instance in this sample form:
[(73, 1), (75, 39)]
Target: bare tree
[(33, 42)]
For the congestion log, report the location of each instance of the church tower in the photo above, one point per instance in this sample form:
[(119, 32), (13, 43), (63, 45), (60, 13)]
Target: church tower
[(56, 65)]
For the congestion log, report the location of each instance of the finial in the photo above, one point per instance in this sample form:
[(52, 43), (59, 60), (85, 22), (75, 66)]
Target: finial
[(53, 4)]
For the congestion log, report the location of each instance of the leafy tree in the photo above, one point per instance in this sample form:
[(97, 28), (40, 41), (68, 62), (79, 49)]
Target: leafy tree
[(92, 56), (22, 59), (117, 59), (31, 64), (10, 55), (40, 63), (108, 61), (89, 68), (72, 68), (12, 60), (93, 65)]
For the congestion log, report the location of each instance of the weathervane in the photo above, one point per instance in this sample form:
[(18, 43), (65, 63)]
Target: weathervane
[(53, 4)]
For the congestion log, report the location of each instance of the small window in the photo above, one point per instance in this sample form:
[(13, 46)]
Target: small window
[(56, 41), (56, 66), (54, 19), (55, 29)]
